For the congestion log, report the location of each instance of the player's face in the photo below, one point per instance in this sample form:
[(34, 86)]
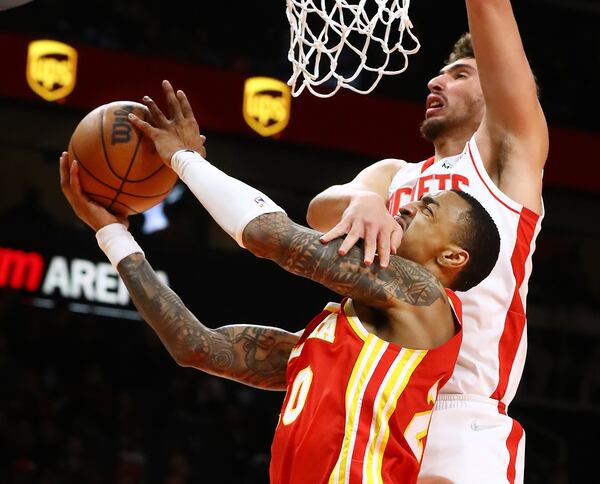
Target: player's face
[(455, 103), (429, 226)]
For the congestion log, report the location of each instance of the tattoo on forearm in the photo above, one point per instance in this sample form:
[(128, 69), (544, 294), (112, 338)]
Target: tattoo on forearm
[(253, 355), (298, 250), (266, 350)]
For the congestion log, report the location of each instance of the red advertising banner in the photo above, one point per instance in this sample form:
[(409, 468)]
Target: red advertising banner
[(368, 125)]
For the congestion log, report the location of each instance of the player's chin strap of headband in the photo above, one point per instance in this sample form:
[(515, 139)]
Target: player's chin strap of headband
[(230, 202)]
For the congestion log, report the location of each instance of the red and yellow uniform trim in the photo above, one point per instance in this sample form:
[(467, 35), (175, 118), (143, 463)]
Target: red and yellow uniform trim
[(379, 376)]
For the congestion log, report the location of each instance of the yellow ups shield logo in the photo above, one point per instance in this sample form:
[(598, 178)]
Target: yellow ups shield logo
[(267, 104), (51, 69)]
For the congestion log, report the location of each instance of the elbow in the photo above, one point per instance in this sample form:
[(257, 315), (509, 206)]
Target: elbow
[(190, 359), (261, 238), (183, 358), (258, 248), (318, 214), (312, 214), (187, 354), (252, 238)]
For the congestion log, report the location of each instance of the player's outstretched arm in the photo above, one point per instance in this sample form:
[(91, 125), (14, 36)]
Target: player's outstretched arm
[(358, 207), (299, 250), (513, 136), (508, 84), (254, 355), (257, 223)]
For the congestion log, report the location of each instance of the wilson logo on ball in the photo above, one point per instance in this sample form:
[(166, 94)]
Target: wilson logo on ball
[(121, 127), (119, 167)]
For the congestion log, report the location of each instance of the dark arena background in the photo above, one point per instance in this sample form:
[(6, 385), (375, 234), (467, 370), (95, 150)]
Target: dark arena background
[(87, 392)]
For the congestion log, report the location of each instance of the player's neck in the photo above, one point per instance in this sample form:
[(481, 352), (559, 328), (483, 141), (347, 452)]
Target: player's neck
[(450, 146)]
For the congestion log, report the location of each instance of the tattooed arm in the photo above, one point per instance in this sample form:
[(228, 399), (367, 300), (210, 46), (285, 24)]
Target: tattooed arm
[(270, 233), (254, 355), (298, 249)]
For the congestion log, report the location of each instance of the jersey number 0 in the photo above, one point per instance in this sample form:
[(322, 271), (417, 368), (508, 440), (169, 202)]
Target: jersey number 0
[(414, 433)]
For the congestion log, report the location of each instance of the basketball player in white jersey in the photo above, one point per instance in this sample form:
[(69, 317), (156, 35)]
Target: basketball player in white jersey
[(491, 140)]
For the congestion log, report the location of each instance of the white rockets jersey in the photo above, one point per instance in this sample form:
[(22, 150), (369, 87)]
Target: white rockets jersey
[(492, 355)]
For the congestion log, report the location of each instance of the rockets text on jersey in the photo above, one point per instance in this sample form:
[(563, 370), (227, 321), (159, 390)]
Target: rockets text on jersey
[(428, 183)]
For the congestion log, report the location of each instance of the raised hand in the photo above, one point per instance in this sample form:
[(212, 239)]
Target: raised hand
[(87, 210), (179, 131), (367, 218)]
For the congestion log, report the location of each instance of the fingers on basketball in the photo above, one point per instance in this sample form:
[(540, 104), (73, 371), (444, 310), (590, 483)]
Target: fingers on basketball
[(156, 114), (75, 185), (142, 125), (64, 171), (127, 176)]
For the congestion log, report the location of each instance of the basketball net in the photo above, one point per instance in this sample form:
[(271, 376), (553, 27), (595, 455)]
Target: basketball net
[(346, 28)]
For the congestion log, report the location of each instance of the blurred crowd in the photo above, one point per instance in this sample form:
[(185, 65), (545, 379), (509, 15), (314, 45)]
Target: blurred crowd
[(87, 400)]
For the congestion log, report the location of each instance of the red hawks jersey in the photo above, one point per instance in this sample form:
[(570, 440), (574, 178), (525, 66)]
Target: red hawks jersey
[(357, 408), (492, 355)]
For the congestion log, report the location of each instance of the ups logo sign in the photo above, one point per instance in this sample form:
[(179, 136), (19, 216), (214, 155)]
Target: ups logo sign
[(51, 69), (267, 104)]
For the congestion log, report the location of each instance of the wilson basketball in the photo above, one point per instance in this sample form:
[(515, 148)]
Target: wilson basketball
[(119, 167)]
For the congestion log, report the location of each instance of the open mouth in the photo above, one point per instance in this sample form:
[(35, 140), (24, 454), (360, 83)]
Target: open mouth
[(434, 105)]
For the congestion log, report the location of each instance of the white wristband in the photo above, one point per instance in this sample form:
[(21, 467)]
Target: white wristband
[(230, 202), (117, 243), (181, 159)]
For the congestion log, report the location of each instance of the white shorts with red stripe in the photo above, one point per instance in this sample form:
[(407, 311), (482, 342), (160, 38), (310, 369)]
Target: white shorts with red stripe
[(471, 442)]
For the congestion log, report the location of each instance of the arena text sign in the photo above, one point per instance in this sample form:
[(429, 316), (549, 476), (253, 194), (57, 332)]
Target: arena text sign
[(74, 279)]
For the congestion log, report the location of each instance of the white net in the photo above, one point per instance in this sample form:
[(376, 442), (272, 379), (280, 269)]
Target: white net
[(347, 43)]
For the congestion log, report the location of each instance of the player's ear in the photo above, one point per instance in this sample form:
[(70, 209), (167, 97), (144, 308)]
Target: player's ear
[(453, 257)]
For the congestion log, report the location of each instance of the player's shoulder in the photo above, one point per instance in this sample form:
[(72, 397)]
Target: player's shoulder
[(394, 165), (378, 176), (387, 167), (391, 163)]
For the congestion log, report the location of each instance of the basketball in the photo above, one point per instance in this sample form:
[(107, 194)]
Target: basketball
[(119, 167)]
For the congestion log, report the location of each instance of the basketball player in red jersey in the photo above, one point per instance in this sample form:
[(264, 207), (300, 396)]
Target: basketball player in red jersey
[(491, 140), (362, 378)]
